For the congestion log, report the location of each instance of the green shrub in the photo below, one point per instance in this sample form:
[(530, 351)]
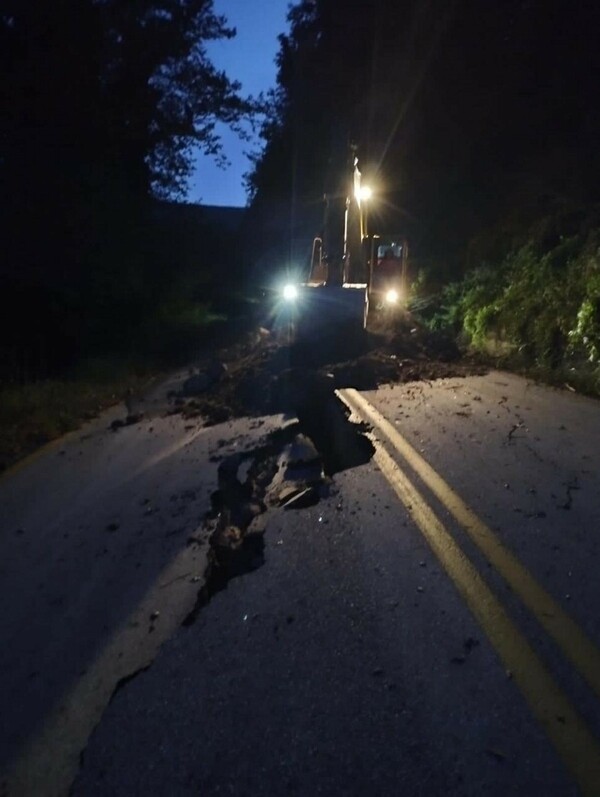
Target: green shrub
[(543, 305)]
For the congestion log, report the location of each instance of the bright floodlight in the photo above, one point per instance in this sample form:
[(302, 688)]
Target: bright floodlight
[(290, 293), (391, 296), (364, 192)]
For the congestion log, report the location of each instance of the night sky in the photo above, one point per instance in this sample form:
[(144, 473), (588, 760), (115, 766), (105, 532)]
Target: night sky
[(249, 58)]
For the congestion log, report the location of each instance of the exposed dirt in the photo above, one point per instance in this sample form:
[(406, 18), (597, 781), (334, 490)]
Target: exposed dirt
[(260, 375), (291, 468), (294, 466)]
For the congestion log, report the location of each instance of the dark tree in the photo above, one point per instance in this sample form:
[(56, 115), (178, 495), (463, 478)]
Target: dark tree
[(127, 81), (102, 105), (463, 112)]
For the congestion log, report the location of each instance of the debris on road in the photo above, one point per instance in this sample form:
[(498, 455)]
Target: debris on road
[(129, 420), (260, 376)]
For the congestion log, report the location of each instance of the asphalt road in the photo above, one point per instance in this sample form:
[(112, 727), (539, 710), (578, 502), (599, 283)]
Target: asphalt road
[(430, 627)]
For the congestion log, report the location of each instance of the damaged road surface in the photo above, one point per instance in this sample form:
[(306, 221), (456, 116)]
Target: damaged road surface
[(105, 548), (386, 591), (116, 536)]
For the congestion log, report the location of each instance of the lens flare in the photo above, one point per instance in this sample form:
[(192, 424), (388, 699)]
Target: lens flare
[(290, 293)]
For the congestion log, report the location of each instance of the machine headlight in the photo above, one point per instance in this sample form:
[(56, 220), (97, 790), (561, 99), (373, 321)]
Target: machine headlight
[(391, 297), (290, 293)]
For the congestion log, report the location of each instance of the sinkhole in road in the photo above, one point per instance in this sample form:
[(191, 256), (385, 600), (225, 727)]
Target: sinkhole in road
[(237, 520)]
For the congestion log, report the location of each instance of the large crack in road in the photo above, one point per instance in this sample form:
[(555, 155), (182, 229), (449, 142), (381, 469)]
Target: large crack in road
[(261, 376), (292, 467)]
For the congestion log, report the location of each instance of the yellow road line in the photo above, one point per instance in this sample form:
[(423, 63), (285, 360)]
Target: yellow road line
[(564, 631), (569, 734)]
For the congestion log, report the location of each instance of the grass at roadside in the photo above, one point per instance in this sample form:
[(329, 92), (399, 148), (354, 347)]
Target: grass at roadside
[(36, 413)]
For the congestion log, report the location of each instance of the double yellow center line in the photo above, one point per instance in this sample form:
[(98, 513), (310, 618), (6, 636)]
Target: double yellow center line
[(574, 742)]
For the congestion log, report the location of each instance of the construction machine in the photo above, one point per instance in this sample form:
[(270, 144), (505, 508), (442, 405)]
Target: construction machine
[(388, 272), (351, 273), (334, 298)]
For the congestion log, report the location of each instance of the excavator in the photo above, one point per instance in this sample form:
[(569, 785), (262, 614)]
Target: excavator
[(352, 276)]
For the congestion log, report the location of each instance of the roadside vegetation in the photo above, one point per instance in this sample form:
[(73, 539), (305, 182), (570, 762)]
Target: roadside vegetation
[(37, 409), (106, 278), (34, 413), (537, 309)]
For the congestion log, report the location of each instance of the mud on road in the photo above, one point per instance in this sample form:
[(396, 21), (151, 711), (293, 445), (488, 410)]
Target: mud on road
[(261, 375)]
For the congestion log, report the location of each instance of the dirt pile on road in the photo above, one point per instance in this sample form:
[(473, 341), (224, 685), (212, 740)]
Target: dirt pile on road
[(260, 376)]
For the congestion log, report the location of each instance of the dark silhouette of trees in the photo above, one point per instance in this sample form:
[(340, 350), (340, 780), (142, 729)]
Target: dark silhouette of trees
[(103, 105), (127, 85), (465, 113)]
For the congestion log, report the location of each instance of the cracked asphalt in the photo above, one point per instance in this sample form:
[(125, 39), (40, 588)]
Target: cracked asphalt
[(347, 662)]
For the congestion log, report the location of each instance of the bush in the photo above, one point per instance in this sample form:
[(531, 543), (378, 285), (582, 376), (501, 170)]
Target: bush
[(543, 305)]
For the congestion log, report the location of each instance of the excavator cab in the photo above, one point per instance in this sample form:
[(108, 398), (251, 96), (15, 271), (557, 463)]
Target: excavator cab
[(388, 272)]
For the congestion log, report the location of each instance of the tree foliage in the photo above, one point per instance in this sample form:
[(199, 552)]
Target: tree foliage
[(103, 104), (465, 113), (113, 84), (538, 305)]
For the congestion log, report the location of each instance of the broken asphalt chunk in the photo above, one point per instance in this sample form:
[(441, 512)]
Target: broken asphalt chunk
[(303, 452)]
